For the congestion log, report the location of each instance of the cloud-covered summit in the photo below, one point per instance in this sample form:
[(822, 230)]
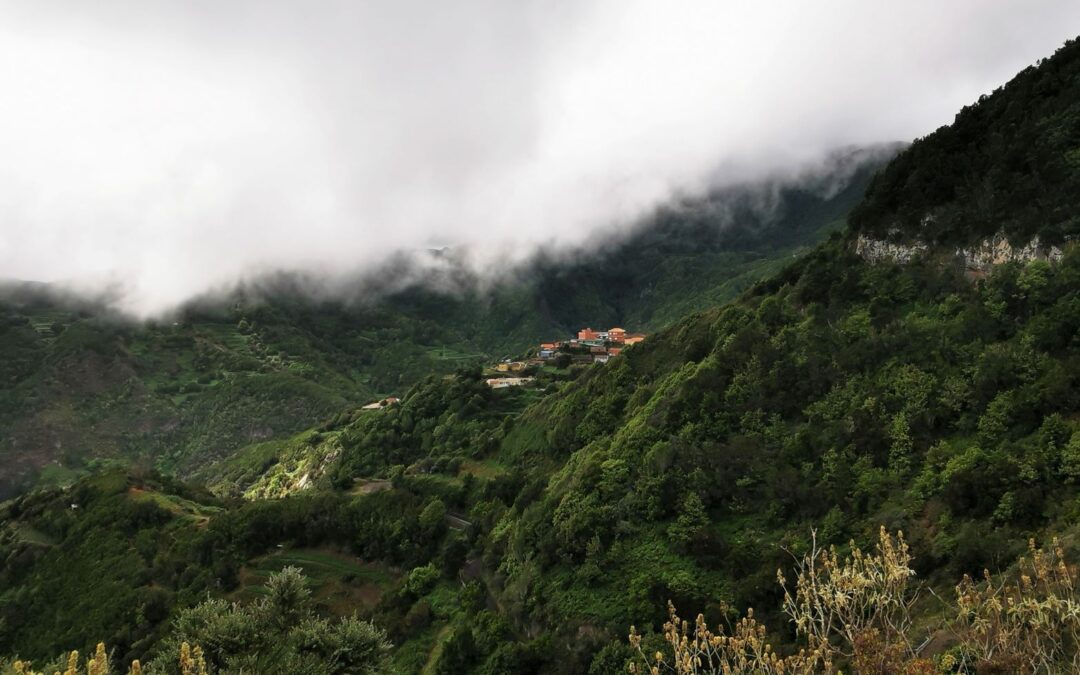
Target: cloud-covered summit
[(178, 146)]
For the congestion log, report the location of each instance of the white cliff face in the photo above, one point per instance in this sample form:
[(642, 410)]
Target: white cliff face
[(877, 250), (997, 251), (977, 260)]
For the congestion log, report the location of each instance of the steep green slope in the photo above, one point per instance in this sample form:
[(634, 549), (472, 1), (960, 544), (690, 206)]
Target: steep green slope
[(839, 395), (851, 395)]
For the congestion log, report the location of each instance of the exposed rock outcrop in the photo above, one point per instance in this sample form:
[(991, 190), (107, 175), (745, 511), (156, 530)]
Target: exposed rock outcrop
[(877, 250), (981, 258), (977, 260)]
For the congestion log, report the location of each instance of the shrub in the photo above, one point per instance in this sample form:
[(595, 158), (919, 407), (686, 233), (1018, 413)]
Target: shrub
[(853, 609), (1027, 622)]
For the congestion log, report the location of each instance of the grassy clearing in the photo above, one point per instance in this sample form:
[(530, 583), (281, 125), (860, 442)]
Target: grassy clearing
[(58, 475), (482, 468), (28, 535), (340, 583), (367, 486), (321, 564)]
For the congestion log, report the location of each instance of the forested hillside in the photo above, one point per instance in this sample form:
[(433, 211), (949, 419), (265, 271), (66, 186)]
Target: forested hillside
[(81, 384), (524, 531)]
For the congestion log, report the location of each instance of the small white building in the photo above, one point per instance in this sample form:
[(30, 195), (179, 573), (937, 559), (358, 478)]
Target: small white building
[(384, 403), (503, 382)]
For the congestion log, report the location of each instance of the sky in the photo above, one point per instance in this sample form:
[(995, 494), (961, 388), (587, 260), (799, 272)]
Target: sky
[(170, 147)]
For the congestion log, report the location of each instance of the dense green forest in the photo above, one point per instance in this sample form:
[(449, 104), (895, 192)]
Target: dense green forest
[(1010, 163), (525, 530), (82, 385)]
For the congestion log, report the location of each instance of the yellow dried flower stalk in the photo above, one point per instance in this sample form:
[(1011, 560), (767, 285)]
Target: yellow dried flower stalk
[(1030, 624), (200, 660), (698, 650), (857, 606), (99, 664), (72, 664), (187, 666), (853, 609), (24, 668)]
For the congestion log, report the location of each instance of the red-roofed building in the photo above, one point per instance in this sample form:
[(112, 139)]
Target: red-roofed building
[(633, 338), (587, 334), (617, 334)]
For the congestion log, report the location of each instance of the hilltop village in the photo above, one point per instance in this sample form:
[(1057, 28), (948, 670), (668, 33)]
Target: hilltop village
[(590, 346)]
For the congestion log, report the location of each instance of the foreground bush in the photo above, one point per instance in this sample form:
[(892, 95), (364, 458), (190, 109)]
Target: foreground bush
[(1026, 623), (853, 613), (279, 634)]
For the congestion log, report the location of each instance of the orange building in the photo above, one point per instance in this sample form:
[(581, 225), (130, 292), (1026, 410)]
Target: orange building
[(633, 338), (587, 334), (616, 334)]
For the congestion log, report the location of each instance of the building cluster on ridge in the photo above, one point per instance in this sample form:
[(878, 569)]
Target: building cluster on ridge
[(590, 346), (596, 346)]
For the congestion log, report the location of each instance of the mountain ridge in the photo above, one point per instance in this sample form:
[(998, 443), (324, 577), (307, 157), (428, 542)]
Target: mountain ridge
[(528, 528), (280, 354)]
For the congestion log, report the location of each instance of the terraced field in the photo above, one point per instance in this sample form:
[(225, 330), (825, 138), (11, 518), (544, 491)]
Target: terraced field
[(186, 509), (441, 353)]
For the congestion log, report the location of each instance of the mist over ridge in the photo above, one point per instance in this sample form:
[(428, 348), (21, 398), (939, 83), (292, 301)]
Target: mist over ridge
[(484, 269), (153, 152)]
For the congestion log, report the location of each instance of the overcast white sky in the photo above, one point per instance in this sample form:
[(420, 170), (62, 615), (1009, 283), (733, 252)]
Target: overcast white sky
[(178, 145)]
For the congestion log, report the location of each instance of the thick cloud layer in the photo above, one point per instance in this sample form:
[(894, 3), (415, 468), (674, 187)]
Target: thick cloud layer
[(174, 146)]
